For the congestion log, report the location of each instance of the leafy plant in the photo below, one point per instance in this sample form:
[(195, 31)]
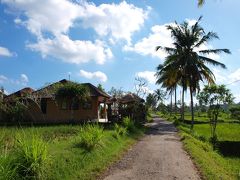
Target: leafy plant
[(119, 131), (129, 124), (30, 156), (91, 136), (7, 168)]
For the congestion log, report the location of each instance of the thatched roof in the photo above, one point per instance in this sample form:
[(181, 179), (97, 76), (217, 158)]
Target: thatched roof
[(19, 94), (48, 91)]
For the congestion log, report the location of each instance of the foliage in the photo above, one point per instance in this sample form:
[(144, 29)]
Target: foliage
[(151, 101), (140, 86), (235, 112), (129, 124), (119, 131), (8, 170), (17, 112), (118, 93), (214, 96), (91, 136), (100, 87), (185, 64), (71, 90), (31, 156)]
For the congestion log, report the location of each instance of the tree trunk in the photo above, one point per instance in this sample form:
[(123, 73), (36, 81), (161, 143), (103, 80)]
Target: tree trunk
[(175, 94), (192, 110), (182, 104), (171, 105)]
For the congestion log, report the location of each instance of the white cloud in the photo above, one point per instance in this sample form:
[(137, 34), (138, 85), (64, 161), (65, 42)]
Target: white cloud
[(3, 79), (94, 75), (57, 17), (220, 76), (73, 51), (148, 75), (159, 36), (234, 76), (5, 52), (24, 79), (119, 20)]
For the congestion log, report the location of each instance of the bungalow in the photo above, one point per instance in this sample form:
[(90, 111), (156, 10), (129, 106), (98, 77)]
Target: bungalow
[(43, 107)]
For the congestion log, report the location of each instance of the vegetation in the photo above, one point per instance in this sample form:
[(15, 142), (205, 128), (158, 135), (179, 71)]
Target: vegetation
[(54, 152), (90, 136), (214, 97), (186, 63)]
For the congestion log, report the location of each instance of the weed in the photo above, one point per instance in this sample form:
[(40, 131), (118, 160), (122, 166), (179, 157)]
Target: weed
[(119, 131), (91, 136)]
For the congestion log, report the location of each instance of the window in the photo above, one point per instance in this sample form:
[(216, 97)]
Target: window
[(87, 105), (75, 104), (44, 106)]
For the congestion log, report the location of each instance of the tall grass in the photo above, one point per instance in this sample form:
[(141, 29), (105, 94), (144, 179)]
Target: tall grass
[(30, 156), (129, 124), (119, 131), (91, 136), (7, 167)]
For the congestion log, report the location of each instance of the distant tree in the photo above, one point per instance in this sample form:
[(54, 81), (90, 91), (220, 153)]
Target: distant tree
[(140, 87), (160, 95), (100, 87), (200, 2), (214, 97), (118, 93), (151, 101)]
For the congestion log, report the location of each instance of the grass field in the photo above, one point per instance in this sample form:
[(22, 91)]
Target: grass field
[(67, 159), (220, 163)]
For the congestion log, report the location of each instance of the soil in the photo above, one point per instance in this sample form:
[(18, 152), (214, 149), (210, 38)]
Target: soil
[(158, 155)]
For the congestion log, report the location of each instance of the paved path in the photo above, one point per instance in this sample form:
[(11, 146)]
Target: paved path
[(159, 155)]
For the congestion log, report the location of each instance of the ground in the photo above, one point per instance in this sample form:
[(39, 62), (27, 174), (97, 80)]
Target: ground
[(158, 155)]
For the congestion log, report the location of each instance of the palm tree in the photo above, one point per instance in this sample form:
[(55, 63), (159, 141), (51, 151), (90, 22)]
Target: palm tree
[(200, 2), (188, 59), (160, 95)]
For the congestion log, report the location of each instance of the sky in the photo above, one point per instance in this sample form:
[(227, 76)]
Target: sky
[(107, 42)]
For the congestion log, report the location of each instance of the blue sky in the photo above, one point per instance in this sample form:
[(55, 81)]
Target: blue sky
[(107, 42)]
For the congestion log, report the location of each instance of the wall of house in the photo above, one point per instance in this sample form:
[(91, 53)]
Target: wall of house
[(54, 113)]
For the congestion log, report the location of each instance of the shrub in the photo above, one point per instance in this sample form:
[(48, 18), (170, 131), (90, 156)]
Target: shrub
[(91, 136), (119, 131), (128, 124), (30, 156)]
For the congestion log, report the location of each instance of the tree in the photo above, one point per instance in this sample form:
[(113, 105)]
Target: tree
[(200, 2), (187, 60), (117, 93), (214, 96), (100, 87), (151, 100), (160, 95), (140, 87)]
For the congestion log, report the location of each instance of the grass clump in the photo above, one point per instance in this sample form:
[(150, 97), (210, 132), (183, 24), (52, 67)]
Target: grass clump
[(119, 131), (129, 124), (30, 156), (7, 168), (91, 136)]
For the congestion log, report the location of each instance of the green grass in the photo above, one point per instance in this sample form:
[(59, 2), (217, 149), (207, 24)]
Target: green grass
[(67, 160), (220, 163)]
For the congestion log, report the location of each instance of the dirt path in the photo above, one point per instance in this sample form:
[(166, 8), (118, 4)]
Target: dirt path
[(159, 155)]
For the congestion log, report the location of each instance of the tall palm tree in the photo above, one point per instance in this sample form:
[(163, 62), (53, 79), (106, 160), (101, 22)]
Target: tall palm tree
[(200, 2), (188, 58)]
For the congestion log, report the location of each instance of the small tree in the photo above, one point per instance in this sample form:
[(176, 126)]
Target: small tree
[(214, 96), (151, 101)]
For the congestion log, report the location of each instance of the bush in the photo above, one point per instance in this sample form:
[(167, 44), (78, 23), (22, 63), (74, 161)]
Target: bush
[(30, 156), (128, 124), (119, 131), (91, 136)]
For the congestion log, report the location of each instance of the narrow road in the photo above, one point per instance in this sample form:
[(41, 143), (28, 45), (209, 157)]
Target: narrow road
[(159, 155)]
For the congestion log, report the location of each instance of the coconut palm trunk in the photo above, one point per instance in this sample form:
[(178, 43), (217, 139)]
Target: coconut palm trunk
[(182, 104), (175, 94), (192, 110)]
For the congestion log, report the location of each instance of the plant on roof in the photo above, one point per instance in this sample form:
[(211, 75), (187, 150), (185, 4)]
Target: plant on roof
[(72, 90)]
